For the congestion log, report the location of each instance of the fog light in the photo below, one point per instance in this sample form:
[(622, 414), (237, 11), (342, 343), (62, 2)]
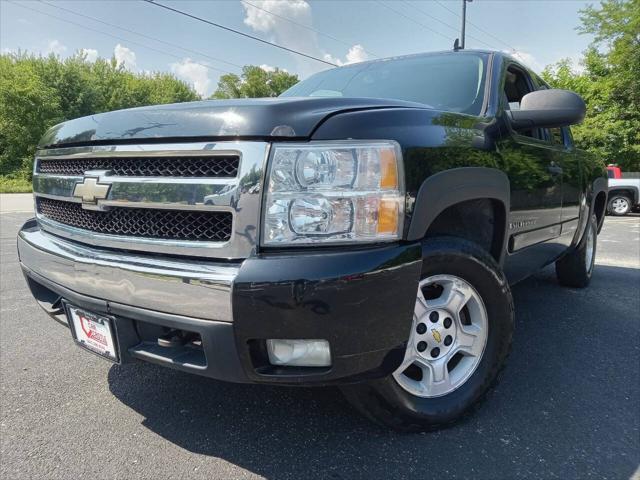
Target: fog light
[(299, 353)]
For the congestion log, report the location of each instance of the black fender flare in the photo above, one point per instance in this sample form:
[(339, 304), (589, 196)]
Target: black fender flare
[(445, 189)]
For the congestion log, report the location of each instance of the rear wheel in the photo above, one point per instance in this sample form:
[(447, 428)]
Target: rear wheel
[(575, 268), (459, 340), (619, 205)]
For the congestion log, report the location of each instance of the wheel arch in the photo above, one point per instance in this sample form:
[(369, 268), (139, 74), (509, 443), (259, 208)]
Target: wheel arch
[(600, 206), (629, 191), (452, 187)]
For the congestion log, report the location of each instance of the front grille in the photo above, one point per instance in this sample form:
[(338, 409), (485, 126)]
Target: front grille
[(197, 166), (141, 222)]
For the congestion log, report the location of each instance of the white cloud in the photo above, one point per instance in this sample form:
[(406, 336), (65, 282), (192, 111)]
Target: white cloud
[(538, 66), (354, 55), (527, 58), (281, 31), (271, 68), (261, 21), (193, 73), (577, 64), (56, 47), (125, 56), (357, 54), (90, 54), (294, 36)]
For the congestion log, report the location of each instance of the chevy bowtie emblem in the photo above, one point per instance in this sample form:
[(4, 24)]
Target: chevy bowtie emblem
[(91, 190), (436, 335)]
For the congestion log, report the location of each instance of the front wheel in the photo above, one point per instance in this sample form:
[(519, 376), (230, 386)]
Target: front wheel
[(459, 340)]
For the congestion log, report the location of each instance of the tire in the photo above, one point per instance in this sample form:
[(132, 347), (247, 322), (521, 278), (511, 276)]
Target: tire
[(397, 401), (619, 205), (575, 268)]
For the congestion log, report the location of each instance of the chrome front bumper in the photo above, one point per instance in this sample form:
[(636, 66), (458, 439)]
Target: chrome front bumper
[(361, 301), (197, 289)]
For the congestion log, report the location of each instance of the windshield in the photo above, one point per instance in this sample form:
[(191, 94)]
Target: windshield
[(450, 81)]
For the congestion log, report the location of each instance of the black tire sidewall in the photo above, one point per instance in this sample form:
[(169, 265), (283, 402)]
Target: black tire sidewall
[(469, 263), (593, 224), (571, 269), (581, 250)]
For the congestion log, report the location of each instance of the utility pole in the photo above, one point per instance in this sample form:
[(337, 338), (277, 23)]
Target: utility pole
[(464, 21)]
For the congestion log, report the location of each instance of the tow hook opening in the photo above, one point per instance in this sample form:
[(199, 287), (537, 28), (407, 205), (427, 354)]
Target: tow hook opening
[(169, 345), (179, 338)]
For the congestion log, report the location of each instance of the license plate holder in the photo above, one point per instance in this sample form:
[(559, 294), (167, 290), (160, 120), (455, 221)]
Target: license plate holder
[(93, 332)]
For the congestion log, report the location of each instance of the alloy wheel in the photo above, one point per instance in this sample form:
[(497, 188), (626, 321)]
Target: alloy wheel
[(448, 337)]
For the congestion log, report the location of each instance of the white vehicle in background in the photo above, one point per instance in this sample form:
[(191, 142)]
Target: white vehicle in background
[(624, 195)]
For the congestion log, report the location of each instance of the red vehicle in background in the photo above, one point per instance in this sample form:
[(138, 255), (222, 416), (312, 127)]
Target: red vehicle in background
[(614, 171)]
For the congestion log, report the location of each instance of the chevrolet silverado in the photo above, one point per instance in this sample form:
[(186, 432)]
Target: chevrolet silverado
[(361, 230)]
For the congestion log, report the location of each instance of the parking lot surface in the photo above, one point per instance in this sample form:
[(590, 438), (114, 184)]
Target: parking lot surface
[(567, 406)]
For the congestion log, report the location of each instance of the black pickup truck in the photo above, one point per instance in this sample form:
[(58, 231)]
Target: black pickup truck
[(362, 230)]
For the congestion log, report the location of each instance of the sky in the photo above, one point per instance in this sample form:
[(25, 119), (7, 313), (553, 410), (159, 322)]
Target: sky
[(145, 38)]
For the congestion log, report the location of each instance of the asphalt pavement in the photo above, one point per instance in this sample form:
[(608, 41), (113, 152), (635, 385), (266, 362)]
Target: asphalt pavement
[(568, 404)]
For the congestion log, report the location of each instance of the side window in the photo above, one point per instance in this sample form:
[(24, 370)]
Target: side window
[(516, 85), (568, 137), (555, 136)]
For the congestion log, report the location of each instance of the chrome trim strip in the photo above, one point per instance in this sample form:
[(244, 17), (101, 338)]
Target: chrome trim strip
[(241, 196), (188, 192), (183, 287), (145, 150)]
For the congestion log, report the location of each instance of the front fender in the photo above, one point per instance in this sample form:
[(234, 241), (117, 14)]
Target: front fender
[(447, 188)]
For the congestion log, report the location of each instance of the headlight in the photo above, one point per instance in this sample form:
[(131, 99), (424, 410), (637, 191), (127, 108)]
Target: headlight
[(334, 192)]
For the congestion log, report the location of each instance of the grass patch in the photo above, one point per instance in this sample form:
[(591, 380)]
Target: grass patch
[(14, 185)]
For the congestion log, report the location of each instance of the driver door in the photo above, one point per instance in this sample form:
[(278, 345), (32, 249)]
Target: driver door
[(534, 167)]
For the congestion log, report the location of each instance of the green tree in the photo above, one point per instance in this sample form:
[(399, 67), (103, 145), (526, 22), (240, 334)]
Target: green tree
[(610, 82), (255, 82), (38, 92), (26, 104)]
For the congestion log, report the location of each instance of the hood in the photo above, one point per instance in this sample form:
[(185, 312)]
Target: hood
[(261, 118)]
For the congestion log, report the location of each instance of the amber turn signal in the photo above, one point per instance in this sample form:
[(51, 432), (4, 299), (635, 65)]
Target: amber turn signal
[(388, 169), (388, 217)]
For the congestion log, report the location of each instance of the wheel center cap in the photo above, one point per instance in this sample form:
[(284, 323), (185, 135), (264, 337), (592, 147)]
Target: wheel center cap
[(436, 334)]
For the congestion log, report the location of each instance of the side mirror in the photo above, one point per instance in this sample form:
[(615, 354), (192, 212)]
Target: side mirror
[(548, 109)]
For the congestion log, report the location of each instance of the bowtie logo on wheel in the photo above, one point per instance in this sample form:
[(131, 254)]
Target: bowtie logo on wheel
[(436, 335)]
